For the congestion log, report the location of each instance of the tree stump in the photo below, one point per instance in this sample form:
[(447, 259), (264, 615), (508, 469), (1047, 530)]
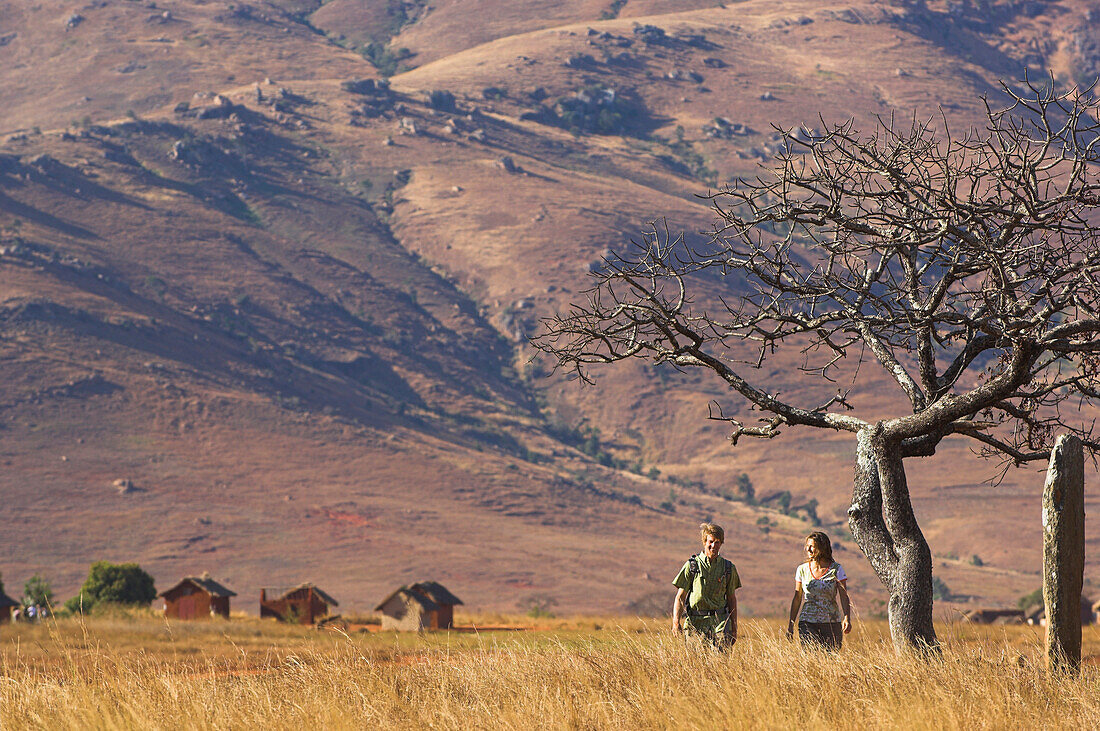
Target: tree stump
[(1064, 552)]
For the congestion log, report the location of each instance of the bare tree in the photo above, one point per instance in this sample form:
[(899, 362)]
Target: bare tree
[(966, 265)]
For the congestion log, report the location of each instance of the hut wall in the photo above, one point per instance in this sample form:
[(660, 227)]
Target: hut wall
[(403, 614), (219, 605), (302, 606), (187, 603), (442, 618)]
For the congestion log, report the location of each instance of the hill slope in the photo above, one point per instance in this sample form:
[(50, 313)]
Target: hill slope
[(291, 304)]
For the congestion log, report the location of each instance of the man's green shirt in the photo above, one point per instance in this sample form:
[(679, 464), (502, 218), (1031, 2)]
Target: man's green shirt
[(709, 590)]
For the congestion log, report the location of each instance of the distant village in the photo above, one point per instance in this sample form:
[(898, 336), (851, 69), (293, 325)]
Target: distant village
[(425, 605)]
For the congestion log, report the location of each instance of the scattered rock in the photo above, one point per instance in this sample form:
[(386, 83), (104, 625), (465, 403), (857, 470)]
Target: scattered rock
[(650, 34), (767, 97), (124, 486), (725, 128), (714, 63), (507, 164), (74, 20)]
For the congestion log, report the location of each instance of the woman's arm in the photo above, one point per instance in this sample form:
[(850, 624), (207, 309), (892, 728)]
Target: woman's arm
[(796, 602), (845, 605), (677, 606)]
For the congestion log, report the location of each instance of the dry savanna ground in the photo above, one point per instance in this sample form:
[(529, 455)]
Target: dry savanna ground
[(598, 672)]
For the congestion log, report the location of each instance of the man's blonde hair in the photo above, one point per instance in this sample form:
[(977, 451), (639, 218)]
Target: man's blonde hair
[(711, 529)]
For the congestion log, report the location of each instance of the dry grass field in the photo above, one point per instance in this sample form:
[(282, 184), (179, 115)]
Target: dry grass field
[(596, 672)]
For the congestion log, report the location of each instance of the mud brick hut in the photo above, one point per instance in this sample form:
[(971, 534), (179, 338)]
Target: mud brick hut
[(420, 606), (302, 604), (1038, 613), (197, 597), (6, 605), (995, 616)]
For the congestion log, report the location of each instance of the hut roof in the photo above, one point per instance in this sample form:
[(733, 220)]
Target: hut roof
[(203, 582), (421, 599), (436, 592), (987, 614), (282, 593), (6, 601)]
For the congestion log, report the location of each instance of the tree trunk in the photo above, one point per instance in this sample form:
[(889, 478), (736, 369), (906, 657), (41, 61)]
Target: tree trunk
[(1064, 552), (882, 521)]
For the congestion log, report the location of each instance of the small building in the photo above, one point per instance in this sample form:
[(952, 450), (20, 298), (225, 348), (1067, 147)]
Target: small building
[(1038, 613), (301, 604), (995, 616), (7, 604), (197, 597), (417, 607)]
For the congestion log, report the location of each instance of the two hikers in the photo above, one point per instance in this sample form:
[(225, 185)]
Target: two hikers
[(706, 603)]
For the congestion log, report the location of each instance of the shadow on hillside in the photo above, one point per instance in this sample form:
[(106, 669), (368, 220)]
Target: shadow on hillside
[(963, 35), (22, 210)]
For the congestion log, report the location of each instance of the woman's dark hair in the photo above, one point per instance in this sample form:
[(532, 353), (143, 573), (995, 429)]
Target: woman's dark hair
[(824, 546)]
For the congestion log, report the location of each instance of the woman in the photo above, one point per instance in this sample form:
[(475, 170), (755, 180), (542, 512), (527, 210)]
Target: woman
[(819, 583)]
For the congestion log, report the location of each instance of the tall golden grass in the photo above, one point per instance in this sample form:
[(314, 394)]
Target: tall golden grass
[(134, 672)]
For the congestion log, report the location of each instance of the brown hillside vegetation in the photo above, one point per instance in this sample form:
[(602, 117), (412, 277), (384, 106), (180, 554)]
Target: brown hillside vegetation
[(291, 305)]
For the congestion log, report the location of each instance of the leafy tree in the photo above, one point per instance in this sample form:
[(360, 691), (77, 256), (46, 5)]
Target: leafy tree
[(108, 583), (965, 265), (745, 487), (940, 590), (37, 592), (1031, 599)]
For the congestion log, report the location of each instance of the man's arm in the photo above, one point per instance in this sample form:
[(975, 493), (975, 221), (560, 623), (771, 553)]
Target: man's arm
[(731, 604), (677, 606)]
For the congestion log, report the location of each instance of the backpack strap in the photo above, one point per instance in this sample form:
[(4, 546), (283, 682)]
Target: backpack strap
[(693, 571)]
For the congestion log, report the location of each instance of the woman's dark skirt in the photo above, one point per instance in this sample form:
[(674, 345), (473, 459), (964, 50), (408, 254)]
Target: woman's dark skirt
[(823, 635)]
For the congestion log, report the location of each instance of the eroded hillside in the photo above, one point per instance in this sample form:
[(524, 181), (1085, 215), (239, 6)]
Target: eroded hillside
[(289, 299)]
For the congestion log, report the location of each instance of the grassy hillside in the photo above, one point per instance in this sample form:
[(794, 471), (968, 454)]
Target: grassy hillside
[(290, 299)]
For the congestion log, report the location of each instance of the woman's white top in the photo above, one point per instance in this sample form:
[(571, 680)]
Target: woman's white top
[(819, 595)]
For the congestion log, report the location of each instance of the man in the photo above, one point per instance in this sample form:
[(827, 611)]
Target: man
[(705, 604)]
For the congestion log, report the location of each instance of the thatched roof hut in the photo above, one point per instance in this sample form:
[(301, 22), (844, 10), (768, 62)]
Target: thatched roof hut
[(419, 606)]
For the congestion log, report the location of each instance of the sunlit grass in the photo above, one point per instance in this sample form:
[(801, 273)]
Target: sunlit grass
[(139, 671)]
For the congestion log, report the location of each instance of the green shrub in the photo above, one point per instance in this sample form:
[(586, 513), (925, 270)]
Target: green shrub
[(1030, 600), (109, 583), (37, 592)]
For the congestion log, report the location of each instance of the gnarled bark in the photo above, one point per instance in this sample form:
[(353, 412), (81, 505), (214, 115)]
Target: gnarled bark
[(882, 521), (1064, 552)]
